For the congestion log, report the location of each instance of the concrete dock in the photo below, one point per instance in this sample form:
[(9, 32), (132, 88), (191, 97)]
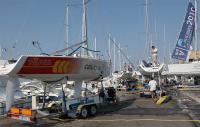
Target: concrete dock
[(132, 111)]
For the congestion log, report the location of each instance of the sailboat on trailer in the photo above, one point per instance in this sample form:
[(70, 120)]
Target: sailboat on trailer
[(53, 68)]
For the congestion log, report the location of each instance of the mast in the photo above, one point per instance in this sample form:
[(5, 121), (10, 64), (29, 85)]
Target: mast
[(195, 31), (109, 52), (164, 39), (84, 31), (114, 56), (147, 27), (0, 52), (95, 47), (67, 28), (155, 27), (119, 58)]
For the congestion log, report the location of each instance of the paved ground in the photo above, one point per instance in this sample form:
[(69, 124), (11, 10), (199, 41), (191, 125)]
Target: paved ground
[(132, 111)]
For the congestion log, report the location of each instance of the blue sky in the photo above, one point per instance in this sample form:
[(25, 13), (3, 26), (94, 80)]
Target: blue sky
[(23, 21)]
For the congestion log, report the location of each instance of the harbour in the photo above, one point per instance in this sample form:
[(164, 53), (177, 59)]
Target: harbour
[(100, 83)]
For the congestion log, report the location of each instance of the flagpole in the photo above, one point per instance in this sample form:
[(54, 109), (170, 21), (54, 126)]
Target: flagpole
[(0, 52), (195, 32)]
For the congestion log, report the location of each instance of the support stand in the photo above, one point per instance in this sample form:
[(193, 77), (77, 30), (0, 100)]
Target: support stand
[(64, 113), (64, 109), (44, 96)]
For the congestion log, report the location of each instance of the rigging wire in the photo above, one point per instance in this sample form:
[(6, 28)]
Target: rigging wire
[(122, 52)]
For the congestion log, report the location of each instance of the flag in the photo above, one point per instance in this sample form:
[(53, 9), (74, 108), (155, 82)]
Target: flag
[(183, 44)]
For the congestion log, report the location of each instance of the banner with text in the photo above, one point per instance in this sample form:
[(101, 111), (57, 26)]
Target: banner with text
[(186, 35)]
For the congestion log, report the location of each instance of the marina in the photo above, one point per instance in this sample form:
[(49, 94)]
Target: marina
[(110, 82)]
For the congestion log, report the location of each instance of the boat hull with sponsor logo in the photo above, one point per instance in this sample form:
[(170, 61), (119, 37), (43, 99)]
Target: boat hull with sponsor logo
[(54, 68)]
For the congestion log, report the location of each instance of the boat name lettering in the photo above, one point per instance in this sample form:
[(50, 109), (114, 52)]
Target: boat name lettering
[(39, 62), (91, 67)]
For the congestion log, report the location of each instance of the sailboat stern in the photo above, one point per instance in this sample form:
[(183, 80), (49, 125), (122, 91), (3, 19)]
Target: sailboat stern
[(150, 70)]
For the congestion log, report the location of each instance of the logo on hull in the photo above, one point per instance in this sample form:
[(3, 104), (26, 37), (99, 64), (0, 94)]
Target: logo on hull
[(60, 66)]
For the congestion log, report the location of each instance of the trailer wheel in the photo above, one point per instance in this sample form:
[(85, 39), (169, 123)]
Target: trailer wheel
[(93, 110), (141, 94), (84, 112)]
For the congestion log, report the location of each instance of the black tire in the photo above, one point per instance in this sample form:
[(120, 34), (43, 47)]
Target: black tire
[(93, 110), (54, 109), (84, 113), (141, 94)]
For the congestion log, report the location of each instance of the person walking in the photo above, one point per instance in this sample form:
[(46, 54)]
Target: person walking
[(153, 85)]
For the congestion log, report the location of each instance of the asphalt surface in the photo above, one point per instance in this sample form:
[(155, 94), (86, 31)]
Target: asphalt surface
[(132, 111)]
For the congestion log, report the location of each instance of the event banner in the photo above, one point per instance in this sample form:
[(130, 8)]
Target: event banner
[(183, 44)]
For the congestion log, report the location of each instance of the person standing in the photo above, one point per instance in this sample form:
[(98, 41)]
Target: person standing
[(153, 85), (154, 52)]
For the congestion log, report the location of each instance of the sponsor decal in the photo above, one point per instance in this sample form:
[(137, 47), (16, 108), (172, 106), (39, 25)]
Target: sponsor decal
[(186, 35), (61, 66), (50, 65)]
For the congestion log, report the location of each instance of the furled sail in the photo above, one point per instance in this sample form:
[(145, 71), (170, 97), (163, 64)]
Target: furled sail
[(183, 44)]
